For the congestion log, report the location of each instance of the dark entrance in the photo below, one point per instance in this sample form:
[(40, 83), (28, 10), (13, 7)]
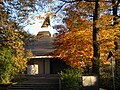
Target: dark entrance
[(57, 65)]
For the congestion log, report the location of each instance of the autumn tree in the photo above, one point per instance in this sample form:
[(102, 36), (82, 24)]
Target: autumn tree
[(94, 20), (13, 56), (75, 39)]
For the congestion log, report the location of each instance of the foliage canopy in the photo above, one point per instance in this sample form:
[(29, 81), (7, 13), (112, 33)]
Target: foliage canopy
[(76, 38), (13, 56)]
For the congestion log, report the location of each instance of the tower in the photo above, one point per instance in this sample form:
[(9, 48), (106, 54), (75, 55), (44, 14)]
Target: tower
[(43, 23)]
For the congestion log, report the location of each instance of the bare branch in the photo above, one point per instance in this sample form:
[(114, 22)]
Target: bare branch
[(70, 1), (60, 8)]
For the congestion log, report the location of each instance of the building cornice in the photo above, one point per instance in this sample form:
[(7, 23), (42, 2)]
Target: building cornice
[(43, 57)]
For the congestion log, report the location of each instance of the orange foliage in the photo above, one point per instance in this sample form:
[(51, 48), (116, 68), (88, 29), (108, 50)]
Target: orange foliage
[(75, 43)]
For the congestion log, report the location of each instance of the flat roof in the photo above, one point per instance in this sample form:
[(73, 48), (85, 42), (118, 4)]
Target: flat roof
[(43, 56)]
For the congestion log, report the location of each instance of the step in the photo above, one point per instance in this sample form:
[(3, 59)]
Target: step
[(38, 80), (34, 85), (37, 83), (44, 86), (34, 88)]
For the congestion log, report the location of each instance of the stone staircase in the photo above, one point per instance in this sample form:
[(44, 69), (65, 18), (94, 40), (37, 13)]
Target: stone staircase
[(37, 83), (34, 87)]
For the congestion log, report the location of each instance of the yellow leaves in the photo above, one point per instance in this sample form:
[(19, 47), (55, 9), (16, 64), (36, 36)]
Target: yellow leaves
[(76, 46), (76, 42), (105, 21), (60, 15), (20, 63), (106, 40), (14, 41)]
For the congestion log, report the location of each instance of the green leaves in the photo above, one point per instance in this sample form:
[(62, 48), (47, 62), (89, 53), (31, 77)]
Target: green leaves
[(13, 57), (71, 79), (6, 65)]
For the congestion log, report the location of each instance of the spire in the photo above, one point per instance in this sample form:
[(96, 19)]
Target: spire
[(46, 22)]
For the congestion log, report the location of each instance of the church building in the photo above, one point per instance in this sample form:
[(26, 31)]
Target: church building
[(42, 62)]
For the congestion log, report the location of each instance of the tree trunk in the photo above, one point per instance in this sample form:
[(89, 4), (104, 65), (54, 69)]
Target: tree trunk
[(96, 51), (115, 9)]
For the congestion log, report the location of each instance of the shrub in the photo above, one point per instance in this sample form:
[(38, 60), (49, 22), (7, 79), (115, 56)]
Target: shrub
[(71, 79)]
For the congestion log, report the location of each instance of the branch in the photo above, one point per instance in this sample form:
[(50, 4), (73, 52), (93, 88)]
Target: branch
[(70, 1), (60, 8)]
